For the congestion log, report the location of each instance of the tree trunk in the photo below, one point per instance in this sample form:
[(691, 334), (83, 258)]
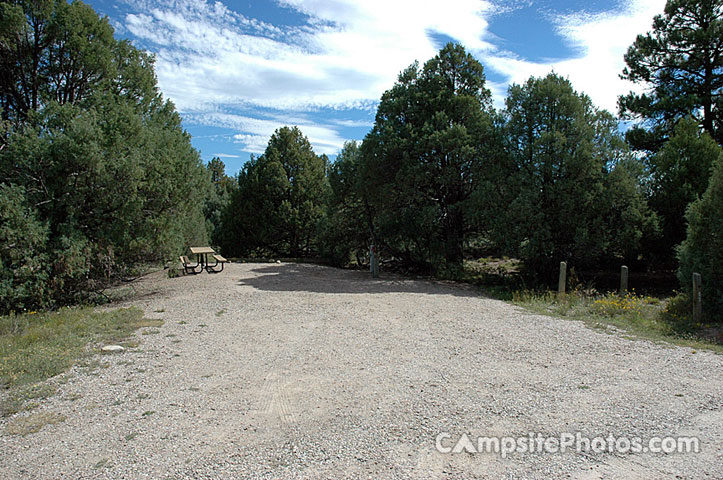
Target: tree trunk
[(453, 236)]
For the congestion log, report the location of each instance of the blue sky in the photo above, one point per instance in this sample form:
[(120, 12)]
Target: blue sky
[(238, 70)]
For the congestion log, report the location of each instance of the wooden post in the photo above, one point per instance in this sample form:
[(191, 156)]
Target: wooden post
[(563, 278), (373, 262), (697, 297), (623, 280)]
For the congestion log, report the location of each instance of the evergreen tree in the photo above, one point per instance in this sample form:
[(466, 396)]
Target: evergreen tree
[(421, 161), (681, 64), (347, 230), (99, 156), (570, 185), (702, 250), (679, 174), (279, 201), (218, 199)]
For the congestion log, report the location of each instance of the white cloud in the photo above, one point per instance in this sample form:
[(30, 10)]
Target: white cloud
[(602, 40), (346, 57), (226, 155), (210, 58), (254, 133)]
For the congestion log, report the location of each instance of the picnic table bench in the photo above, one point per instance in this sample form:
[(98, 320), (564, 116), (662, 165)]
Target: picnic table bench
[(202, 262), (219, 260)]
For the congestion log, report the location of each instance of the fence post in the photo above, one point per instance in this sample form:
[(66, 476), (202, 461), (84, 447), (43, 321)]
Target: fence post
[(623, 280), (697, 297), (563, 278), (373, 262)]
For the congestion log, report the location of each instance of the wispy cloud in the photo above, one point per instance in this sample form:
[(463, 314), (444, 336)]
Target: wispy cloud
[(600, 39), (344, 54), (254, 133), (346, 57)]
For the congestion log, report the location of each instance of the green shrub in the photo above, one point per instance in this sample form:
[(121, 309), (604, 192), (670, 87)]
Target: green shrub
[(23, 261), (702, 250)]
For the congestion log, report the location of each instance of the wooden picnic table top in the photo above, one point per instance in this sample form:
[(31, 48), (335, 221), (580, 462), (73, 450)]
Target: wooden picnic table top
[(201, 250)]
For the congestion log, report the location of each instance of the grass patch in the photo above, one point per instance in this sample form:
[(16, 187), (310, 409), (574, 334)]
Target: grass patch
[(33, 423), (220, 312), (148, 322), (641, 316), (35, 347), (25, 398)]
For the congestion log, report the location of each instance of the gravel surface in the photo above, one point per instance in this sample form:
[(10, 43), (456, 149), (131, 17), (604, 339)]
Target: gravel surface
[(303, 371)]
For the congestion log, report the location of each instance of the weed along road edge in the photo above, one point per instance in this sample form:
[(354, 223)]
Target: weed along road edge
[(303, 371)]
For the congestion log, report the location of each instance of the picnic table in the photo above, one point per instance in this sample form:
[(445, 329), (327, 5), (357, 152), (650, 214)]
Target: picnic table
[(202, 254)]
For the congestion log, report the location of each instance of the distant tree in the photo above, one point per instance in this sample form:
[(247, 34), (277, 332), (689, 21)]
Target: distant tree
[(218, 199), (679, 174), (347, 229), (681, 64), (422, 158), (630, 224), (280, 199), (570, 185), (702, 250)]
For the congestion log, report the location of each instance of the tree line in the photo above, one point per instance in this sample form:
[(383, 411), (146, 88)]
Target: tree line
[(98, 174), (550, 177), (100, 177)]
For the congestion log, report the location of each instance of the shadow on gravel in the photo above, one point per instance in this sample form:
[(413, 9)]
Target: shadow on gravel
[(296, 277)]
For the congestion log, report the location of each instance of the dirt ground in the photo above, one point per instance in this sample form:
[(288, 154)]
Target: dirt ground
[(302, 371)]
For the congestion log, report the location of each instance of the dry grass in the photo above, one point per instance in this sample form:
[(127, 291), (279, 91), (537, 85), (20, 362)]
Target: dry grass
[(33, 422), (640, 316), (24, 398), (38, 346)]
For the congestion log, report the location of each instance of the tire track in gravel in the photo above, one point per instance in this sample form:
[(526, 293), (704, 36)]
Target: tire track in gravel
[(275, 399)]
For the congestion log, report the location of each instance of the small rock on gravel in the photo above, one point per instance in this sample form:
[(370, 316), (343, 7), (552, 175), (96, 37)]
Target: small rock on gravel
[(112, 349)]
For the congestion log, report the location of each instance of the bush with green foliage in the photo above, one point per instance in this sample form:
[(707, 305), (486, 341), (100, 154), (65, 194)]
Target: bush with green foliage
[(23, 261), (571, 191), (347, 228), (100, 157), (425, 156), (279, 201), (702, 250)]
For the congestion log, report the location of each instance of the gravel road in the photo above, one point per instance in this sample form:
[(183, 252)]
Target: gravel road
[(302, 371)]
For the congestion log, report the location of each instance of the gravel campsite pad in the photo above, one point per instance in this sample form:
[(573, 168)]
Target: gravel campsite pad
[(303, 371)]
